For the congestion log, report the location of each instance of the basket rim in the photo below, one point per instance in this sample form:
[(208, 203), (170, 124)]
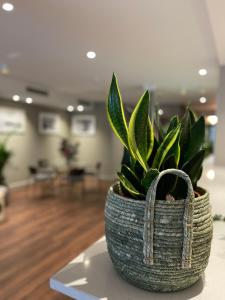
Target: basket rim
[(204, 194)]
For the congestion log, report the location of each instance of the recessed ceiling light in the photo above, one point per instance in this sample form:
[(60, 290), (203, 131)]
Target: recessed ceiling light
[(70, 108), (80, 107), (91, 54), (28, 100), (202, 72), (212, 120), (210, 174), (203, 100), (160, 112), (7, 6), (16, 98)]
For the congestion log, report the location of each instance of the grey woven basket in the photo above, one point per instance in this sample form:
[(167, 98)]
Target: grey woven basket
[(159, 245)]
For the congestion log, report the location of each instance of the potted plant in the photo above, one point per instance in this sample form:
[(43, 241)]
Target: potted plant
[(158, 222), (4, 157), (69, 152)]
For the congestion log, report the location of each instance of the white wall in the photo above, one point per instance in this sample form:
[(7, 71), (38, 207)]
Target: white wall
[(29, 147), (220, 133)]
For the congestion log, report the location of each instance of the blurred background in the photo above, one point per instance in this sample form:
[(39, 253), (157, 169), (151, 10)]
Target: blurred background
[(58, 154)]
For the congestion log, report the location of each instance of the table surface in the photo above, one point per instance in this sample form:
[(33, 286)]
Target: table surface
[(91, 276)]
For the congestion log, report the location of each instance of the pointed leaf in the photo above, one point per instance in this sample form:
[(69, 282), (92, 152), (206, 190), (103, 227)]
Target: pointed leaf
[(149, 177), (132, 178), (150, 139), (174, 121), (115, 112), (185, 132), (197, 138), (138, 126), (192, 117), (129, 187), (175, 151), (165, 146), (193, 165), (158, 126)]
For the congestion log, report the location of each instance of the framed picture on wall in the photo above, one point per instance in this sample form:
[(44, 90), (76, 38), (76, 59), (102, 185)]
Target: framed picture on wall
[(48, 123), (83, 125), (12, 120)]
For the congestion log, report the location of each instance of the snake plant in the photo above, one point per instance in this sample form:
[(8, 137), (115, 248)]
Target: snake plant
[(149, 149)]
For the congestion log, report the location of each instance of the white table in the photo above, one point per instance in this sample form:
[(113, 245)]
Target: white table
[(91, 276)]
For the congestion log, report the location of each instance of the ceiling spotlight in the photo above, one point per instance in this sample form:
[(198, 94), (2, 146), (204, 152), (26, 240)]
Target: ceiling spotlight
[(202, 72), (210, 174), (91, 54), (212, 120), (80, 108), (16, 98), (7, 6), (70, 108), (160, 112), (203, 100), (28, 100)]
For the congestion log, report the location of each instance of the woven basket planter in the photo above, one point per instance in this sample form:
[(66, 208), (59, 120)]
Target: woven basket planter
[(159, 245)]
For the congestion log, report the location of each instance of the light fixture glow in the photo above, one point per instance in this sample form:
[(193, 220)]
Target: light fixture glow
[(86, 262), (91, 54), (4, 69), (202, 72), (70, 108), (16, 98), (210, 174), (28, 100), (7, 6), (203, 100), (160, 112), (212, 120), (80, 108)]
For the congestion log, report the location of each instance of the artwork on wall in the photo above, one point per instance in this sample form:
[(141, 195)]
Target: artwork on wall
[(84, 125), (12, 120), (48, 123)]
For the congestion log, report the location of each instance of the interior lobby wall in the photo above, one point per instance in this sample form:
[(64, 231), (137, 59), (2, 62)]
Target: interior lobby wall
[(219, 151), (97, 148), (29, 147)]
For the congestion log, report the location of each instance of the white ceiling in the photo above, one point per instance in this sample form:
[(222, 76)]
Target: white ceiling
[(148, 43)]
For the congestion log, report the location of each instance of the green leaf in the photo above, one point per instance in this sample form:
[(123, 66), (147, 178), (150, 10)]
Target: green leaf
[(192, 117), (168, 182), (150, 139), (185, 134), (115, 112), (165, 146), (132, 178), (174, 121), (193, 166), (126, 157), (197, 138), (129, 187), (175, 151), (138, 169), (158, 126), (149, 177), (138, 126)]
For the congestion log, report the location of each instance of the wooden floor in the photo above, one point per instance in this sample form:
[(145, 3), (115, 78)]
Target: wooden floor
[(42, 234)]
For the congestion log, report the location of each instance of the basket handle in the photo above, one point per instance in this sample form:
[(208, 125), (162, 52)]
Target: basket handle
[(187, 220)]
